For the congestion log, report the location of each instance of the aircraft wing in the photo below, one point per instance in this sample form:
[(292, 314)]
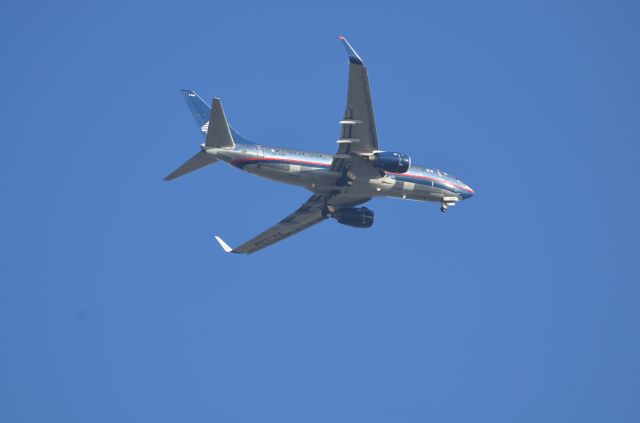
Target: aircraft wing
[(358, 127), (310, 213)]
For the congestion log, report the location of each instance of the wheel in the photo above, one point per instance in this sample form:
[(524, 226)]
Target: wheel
[(444, 208), (351, 176)]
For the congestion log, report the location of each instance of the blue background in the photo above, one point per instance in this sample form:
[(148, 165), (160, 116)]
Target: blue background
[(519, 305)]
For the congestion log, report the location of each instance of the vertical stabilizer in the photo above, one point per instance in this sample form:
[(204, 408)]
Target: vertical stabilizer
[(198, 108), (201, 111)]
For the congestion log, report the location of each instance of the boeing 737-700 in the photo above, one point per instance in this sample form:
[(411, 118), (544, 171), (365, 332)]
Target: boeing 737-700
[(340, 182)]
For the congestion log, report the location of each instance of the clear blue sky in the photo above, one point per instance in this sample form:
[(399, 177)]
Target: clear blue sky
[(520, 305)]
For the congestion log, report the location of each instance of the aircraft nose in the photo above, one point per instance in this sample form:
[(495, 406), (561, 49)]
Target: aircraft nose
[(469, 192)]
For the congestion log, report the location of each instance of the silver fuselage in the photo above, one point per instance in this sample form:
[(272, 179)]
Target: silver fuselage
[(313, 172)]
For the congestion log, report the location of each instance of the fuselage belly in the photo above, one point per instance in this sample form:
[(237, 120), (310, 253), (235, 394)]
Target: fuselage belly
[(312, 171)]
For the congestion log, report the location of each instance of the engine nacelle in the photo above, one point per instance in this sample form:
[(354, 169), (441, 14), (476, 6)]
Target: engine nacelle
[(392, 162), (358, 217)]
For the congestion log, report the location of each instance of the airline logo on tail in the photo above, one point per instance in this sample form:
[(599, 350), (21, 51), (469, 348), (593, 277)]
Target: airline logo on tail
[(204, 128)]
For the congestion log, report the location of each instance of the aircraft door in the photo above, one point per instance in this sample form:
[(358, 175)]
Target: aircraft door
[(260, 151)]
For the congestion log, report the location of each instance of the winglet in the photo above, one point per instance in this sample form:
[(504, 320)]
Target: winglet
[(353, 56), (224, 245)]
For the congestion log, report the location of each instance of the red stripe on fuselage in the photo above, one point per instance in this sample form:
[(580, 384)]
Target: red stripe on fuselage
[(444, 181)]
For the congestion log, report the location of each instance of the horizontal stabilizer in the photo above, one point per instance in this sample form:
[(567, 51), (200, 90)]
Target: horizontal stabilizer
[(196, 162)]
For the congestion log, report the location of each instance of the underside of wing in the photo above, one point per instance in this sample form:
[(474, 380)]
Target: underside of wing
[(310, 213), (358, 136), (358, 126), (313, 211)]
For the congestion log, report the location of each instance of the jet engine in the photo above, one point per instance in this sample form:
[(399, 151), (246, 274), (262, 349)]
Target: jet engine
[(392, 162), (358, 217)]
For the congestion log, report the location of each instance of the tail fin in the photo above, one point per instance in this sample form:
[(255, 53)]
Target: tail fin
[(219, 136), (199, 109), (201, 112)]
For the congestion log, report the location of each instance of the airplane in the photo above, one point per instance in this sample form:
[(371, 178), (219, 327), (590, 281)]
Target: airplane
[(340, 182)]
